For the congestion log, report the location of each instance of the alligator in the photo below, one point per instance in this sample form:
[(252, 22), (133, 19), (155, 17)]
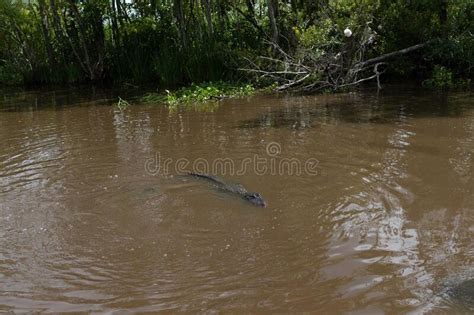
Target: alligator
[(237, 189)]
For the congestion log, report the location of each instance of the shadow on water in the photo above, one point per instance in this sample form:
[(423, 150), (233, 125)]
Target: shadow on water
[(19, 100), (385, 108)]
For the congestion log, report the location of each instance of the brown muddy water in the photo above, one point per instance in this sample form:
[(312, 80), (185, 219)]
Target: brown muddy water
[(370, 204)]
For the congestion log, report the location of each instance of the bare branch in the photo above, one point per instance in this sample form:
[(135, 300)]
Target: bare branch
[(391, 55), (292, 83), (274, 72)]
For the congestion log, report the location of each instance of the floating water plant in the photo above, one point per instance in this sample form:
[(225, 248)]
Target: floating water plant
[(212, 91), (122, 104)]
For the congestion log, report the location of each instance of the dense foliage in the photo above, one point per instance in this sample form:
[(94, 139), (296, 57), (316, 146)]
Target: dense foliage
[(179, 42)]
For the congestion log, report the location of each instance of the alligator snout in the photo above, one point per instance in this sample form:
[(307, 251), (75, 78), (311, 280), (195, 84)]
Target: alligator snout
[(256, 199)]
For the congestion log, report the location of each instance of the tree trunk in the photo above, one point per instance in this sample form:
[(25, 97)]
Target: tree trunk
[(99, 41), (179, 13), (58, 30), (443, 12), (250, 18), (82, 42), (222, 14), (93, 60), (273, 16), (46, 34), (251, 8), (443, 17), (207, 12), (115, 29)]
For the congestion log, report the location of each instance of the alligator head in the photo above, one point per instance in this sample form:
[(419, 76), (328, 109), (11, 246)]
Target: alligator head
[(256, 199)]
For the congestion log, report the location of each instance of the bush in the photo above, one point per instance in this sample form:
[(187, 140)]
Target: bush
[(442, 77)]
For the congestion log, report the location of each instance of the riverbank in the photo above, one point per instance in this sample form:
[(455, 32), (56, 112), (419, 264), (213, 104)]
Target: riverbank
[(203, 97), (199, 96)]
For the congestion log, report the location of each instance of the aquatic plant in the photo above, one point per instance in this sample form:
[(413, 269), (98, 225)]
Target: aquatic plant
[(211, 91), (122, 104)]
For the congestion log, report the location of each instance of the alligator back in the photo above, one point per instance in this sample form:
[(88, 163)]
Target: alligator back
[(236, 189), (208, 177)]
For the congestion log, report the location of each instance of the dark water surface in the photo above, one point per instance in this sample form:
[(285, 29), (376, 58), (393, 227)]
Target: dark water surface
[(383, 224)]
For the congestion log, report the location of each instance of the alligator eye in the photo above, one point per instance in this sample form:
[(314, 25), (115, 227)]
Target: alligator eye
[(254, 197)]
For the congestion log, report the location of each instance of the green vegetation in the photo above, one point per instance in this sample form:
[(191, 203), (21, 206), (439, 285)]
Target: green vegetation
[(122, 104), (442, 77), (292, 44), (211, 91)]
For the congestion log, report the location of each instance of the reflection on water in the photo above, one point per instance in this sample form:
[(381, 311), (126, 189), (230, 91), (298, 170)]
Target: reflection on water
[(386, 225), (301, 112)]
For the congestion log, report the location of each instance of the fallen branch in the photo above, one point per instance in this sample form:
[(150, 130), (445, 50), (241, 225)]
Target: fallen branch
[(390, 55), (375, 75), (292, 83), (331, 68)]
